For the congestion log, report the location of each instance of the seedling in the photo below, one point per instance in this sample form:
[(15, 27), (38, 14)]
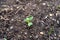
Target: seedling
[(28, 20), (58, 7), (50, 31)]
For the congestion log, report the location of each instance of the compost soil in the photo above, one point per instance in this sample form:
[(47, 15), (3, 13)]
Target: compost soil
[(46, 21)]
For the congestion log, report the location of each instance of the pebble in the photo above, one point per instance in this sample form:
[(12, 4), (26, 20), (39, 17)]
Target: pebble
[(17, 0), (54, 19), (55, 34), (50, 14), (41, 33), (12, 19), (36, 36), (40, 0), (7, 29), (11, 27), (19, 35), (25, 32), (43, 3), (57, 21), (11, 8), (46, 16), (18, 7), (30, 36)]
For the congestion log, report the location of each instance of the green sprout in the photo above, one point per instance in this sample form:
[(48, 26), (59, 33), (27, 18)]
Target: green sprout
[(28, 20), (58, 7), (50, 31)]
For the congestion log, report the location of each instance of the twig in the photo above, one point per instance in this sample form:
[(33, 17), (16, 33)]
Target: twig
[(17, 10)]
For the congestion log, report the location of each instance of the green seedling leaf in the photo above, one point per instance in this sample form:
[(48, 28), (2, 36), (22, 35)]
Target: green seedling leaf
[(26, 20), (30, 18), (30, 24), (51, 29), (59, 7)]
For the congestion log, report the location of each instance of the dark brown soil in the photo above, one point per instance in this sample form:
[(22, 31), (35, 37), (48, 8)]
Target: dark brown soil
[(46, 16)]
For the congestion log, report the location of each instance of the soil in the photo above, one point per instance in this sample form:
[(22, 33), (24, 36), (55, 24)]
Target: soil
[(46, 21)]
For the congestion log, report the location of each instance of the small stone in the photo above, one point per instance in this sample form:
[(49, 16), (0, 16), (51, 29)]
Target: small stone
[(36, 36), (46, 16), (11, 8), (30, 36), (23, 9), (57, 21), (42, 21), (43, 3), (25, 32), (18, 7), (17, 0), (12, 19), (7, 29), (50, 14), (19, 35), (41, 33), (54, 19), (11, 27), (40, 0), (55, 34)]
